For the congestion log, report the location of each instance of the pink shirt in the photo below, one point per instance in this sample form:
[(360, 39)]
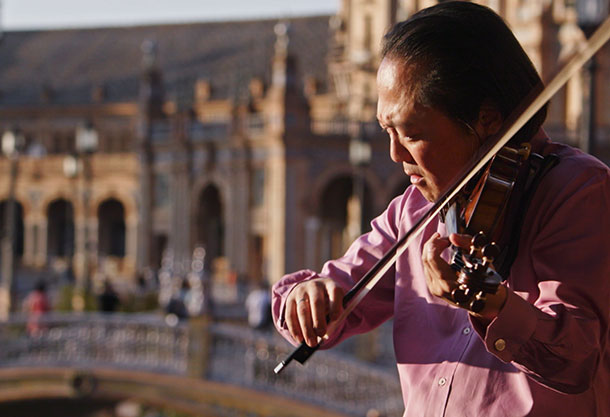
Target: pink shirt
[(547, 354)]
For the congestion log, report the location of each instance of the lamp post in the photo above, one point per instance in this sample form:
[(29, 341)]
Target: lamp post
[(86, 144), (360, 157), (591, 14), (70, 168), (12, 143)]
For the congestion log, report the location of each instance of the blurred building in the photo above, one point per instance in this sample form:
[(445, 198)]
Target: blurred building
[(230, 135)]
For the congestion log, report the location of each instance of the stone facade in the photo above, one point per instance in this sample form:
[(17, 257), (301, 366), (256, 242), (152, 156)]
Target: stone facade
[(234, 136)]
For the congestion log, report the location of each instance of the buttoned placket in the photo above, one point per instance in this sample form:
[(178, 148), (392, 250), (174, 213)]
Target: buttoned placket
[(445, 380)]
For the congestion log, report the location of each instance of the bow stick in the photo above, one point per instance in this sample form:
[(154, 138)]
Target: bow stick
[(532, 103)]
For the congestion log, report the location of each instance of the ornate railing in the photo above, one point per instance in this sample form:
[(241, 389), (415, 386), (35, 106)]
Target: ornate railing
[(219, 352), (138, 342)]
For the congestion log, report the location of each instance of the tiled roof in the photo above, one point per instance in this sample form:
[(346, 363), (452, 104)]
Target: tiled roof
[(70, 64)]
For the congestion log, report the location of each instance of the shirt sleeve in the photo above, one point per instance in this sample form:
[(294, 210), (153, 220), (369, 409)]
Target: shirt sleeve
[(554, 325), (363, 253)]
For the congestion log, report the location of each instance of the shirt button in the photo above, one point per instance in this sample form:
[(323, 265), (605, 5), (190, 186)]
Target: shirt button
[(466, 330), (442, 381), (500, 345)]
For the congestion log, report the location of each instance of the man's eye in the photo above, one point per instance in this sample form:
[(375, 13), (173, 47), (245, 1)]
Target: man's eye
[(411, 138)]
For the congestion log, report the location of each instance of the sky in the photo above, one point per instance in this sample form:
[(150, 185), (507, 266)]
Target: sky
[(45, 14)]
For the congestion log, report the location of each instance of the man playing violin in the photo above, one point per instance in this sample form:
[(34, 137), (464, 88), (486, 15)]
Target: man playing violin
[(449, 78)]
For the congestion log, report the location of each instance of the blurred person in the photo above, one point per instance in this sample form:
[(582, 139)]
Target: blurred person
[(108, 300), (176, 308), (258, 306), (36, 304)]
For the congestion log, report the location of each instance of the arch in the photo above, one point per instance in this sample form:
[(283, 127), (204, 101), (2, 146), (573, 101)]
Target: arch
[(210, 223), (60, 232), (128, 203), (111, 228), (63, 192), (23, 196), (184, 394), (341, 217), (25, 200), (18, 237), (314, 199), (218, 181)]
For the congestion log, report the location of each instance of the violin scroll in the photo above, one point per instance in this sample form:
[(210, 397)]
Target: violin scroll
[(477, 277)]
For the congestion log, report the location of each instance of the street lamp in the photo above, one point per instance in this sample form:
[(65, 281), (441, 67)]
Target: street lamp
[(70, 168), (360, 157), (86, 144), (591, 14), (13, 142)]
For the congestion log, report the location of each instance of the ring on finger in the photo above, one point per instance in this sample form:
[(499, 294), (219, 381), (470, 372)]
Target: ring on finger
[(302, 300)]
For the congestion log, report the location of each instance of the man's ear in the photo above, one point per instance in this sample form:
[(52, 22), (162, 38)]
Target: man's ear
[(490, 120)]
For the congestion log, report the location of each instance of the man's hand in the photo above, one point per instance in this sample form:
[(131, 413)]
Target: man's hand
[(310, 306), (442, 279)]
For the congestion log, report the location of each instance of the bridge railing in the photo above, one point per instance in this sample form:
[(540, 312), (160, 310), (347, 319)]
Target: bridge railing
[(220, 352), (138, 342), (335, 381)]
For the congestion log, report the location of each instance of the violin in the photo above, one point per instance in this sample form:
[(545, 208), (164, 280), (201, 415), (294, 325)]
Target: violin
[(479, 163), (480, 210)]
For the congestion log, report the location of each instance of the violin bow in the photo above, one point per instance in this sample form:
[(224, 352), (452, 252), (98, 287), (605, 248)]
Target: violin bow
[(531, 104)]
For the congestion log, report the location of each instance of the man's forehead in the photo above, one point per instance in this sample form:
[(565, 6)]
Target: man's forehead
[(395, 99), (394, 72)]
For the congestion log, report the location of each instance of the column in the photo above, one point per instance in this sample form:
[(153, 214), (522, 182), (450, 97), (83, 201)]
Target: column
[(312, 228)]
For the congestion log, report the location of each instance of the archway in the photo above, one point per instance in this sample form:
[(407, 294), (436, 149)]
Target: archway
[(60, 232), (336, 211), (210, 224), (111, 229)]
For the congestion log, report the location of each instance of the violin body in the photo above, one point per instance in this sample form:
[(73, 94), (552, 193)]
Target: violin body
[(481, 210), (482, 207)]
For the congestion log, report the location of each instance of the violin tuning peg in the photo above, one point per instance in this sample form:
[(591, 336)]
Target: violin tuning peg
[(459, 295), (491, 251), (478, 304), (479, 240)]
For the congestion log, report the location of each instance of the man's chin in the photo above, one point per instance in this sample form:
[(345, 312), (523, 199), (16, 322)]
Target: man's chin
[(426, 192)]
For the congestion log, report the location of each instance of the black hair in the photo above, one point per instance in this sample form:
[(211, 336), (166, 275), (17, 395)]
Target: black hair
[(463, 55)]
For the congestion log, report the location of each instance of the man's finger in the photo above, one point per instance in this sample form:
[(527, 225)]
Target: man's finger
[(439, 275), (305, 320), (460, 240), (292, 321), (335, 300), (319, 312)]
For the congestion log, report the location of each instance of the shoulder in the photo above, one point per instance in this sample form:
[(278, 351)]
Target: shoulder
[(577, 187), (575, 174)]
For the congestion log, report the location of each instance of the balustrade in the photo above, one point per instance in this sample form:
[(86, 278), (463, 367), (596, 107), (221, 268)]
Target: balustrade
[(221, 352)]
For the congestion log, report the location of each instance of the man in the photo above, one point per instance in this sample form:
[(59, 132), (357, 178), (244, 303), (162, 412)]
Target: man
[(449, 77)]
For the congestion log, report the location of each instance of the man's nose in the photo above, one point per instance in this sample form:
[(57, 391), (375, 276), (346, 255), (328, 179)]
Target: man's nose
[(398, 152)]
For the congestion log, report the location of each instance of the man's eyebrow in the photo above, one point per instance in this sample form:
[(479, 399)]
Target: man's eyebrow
[(407, 124)]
